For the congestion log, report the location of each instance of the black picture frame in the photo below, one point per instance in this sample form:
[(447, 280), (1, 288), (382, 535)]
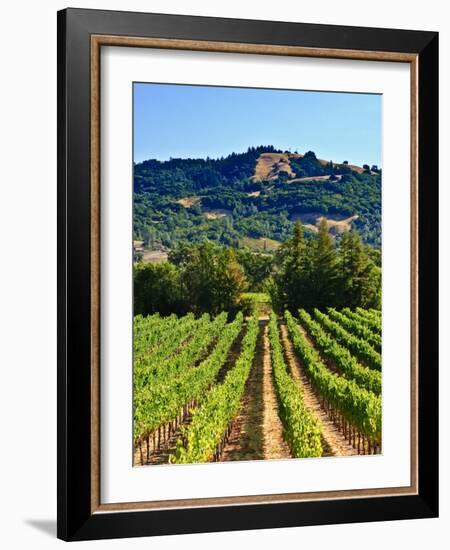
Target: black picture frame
[(75, 518)]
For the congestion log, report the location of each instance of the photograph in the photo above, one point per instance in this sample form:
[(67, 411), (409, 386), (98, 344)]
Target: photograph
[(257, 274)]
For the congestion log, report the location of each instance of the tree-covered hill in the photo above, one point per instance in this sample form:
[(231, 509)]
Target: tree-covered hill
[(231, 202)]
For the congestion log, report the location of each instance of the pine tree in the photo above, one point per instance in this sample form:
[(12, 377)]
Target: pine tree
[(314, 272), (292, 278), (324, 273), (360, 277), (354, 262)]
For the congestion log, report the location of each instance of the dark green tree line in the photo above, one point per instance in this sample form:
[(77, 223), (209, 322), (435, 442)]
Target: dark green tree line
[(307, 272), (203, 278), (317, 272)]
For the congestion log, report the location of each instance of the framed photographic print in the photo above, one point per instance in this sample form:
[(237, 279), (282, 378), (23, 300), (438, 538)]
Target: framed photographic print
[(247, 274)]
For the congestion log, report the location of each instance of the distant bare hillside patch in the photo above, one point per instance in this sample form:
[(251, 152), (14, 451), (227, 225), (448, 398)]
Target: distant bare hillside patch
[(336, 225), (155, 256), (187, 202), (313, 178), (216, 214), (269, 166)]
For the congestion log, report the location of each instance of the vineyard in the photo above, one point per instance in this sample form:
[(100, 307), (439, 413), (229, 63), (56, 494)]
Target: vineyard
[(207, 389)]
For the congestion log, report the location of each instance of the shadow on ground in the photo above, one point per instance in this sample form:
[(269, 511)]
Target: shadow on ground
[(47, 526)]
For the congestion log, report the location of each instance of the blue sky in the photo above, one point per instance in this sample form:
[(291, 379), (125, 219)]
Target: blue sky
[(199, 121)]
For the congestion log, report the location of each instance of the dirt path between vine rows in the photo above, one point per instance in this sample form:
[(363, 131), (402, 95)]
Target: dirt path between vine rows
[(274, 444), (333, 441), (257, 431)]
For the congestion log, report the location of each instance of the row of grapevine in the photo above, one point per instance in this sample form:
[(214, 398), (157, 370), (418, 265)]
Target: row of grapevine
[(161, 372), (370, 312), (157, 404), (301, 428), (149, 331), (373, 324), (359, 407), (341, 357), (170, 338), (363, 351), (211, 421), (358, 329)]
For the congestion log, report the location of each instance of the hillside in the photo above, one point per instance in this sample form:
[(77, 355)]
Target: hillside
[(251, 197), (270, 165)]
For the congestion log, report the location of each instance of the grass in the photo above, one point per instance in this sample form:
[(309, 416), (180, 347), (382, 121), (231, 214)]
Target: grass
[(259, 303), (258, 297), (261, 244)]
